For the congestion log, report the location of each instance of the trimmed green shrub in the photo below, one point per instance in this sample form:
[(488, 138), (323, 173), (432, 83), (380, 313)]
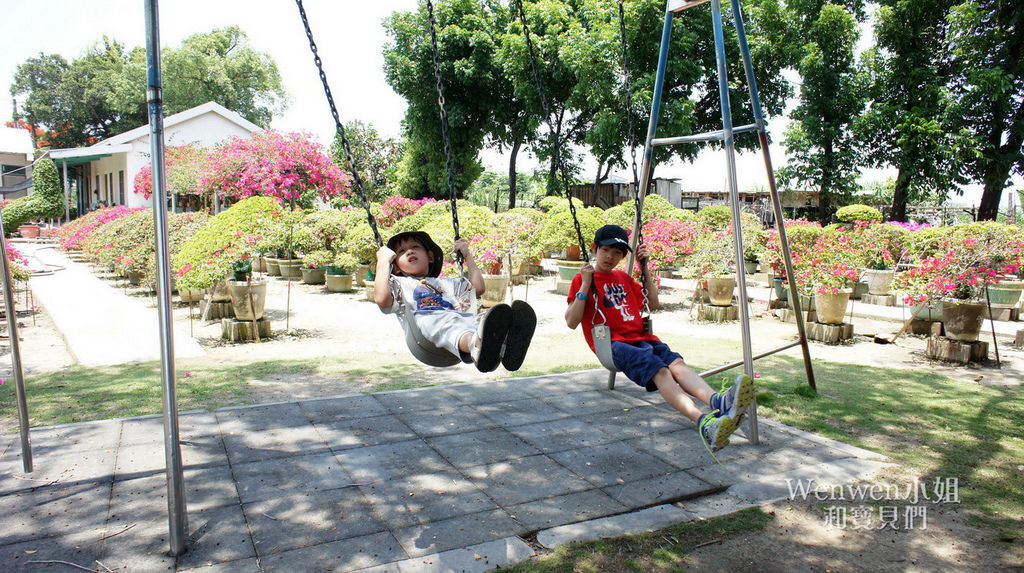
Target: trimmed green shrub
[(46, 200), (559, 232), (717, 217), (858, 212), (206, 257)]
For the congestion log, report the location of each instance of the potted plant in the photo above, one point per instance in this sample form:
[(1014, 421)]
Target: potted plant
[(712, 262), (832, 284), (241, 269), (881, 248), (339, 273), (314, 266), (559, 234)]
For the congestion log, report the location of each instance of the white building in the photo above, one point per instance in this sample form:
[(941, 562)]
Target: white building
[(15, 161), (105, 172)]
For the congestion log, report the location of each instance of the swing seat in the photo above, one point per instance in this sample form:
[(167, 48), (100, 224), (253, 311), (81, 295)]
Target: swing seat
[(602, 336), (421, 348)]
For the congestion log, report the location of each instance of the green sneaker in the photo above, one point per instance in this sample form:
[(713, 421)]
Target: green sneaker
[(732, 401), (715, 431)]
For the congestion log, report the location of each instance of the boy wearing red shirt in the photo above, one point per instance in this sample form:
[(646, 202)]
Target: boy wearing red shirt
[(641, 356)]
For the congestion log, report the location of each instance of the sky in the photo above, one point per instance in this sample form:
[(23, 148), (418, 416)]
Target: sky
[(350, 38)]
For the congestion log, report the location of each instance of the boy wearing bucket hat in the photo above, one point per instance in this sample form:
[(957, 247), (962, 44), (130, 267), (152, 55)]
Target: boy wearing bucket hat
[(638, 353), (408, 272)]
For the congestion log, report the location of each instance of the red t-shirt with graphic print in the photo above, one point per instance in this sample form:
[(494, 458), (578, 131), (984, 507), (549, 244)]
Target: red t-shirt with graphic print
[(621, 299)]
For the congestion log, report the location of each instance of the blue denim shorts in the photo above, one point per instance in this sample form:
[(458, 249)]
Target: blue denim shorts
[(640, 361)]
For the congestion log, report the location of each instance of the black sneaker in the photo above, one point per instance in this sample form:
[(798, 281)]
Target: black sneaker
[(493, 331), (524, 322)]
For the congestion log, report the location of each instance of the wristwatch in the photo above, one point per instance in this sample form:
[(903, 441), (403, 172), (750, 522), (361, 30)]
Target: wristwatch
[(580, 295)]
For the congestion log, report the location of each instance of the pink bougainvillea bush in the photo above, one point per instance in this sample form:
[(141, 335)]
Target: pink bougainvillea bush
[(74, 234), (18, 265), (272, 164), (396, 208), (670, 242), (184, 164)]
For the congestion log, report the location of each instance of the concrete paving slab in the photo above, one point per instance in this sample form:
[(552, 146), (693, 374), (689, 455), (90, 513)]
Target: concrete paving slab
[(562, 434), (521, 412), (137, 338), (612, 464), (349, 433), (35, 555), (342, 407), (417, 399), (570, 508), (436, 423), (491, 445), (526, 479), (660, 489), (271, 443), (205, 488), (649, 519), (284, 476), (343, 555), (473, 559), (416, 499), (438, 536), (389, 461), (301, 520)]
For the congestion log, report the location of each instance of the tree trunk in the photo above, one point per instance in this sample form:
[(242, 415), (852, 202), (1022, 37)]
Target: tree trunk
[(998, 171), (898, 212), (512, 174)]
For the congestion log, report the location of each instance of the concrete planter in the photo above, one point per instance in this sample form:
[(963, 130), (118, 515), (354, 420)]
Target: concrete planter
[(831, 307), (878, 281), (220, 292), (568, 269), (1005, 294), (248, 298), (291, 268), (313, 276), (720, 290), (962, 320), (497, 285), (190, 294), (273, 266), (339, 283)]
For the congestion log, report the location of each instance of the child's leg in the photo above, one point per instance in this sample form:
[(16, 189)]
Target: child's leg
[(466, 341), (690, 381), (674, 393)]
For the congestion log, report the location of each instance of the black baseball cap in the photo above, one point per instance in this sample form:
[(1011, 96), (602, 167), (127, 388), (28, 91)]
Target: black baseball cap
[(612, 236)]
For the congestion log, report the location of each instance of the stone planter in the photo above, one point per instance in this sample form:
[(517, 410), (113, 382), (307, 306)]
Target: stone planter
[(313, 276), (878, 281), (220, 292), (831, 307), (1005, 294), (248, 298), (962, 320), (339, 283), (188, 295), (260, 264), (781, 292), (291, 268), (720, 290), (496, 285), (568, 269), (360, 275), (859, 289), (750, 267), (135, 277), (369, 290), (273, 266)]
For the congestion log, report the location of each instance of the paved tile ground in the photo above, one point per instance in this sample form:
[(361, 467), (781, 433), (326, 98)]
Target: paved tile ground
[(446, 478)]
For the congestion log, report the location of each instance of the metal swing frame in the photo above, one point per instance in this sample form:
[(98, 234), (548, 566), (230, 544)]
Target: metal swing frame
[(726, 136)]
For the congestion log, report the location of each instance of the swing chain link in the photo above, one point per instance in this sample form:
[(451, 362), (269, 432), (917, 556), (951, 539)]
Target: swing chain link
[(444, 124), (556, 148), (340, 129), (627, 85)]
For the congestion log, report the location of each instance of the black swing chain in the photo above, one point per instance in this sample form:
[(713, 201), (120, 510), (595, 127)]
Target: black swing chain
[(559, 159), (444, 124), (627, 85), (340, 129)]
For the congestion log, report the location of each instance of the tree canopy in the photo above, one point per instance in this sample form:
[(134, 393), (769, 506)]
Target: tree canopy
[(103, 92)]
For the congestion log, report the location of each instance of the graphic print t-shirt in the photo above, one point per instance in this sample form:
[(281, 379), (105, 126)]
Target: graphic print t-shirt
[(433, 294), (621, 300)]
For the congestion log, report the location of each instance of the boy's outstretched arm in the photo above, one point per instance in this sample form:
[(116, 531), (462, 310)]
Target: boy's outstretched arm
[(574, 314), (642, 256), (476, 278), (382, 279)]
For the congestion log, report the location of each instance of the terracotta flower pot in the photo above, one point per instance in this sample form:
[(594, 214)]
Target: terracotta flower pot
[(29, 231)]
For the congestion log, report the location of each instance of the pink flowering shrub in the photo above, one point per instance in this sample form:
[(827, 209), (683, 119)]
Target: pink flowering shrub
[(960, 270), (73, 235), (669, 242), (183, 164), (18, 265), (396, 208), (272, 164)]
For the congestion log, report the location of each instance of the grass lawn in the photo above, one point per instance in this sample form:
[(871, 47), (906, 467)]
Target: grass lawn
[(932, 426)]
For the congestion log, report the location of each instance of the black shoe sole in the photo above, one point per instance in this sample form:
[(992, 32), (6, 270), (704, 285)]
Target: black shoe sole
[(493, 331), (520, 333)]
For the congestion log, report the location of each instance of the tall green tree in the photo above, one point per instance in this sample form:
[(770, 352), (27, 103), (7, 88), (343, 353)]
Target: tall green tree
[(103, 92), (375, 157), (824, 152), (905, 124), (986, 45)]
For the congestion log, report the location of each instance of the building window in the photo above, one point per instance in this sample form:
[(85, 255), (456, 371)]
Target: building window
[(120, 187)]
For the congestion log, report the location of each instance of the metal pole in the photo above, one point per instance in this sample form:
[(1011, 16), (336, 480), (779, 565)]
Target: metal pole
[(19, 375), (176, 511), (773, 191), (67, 191), (737, 233)]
